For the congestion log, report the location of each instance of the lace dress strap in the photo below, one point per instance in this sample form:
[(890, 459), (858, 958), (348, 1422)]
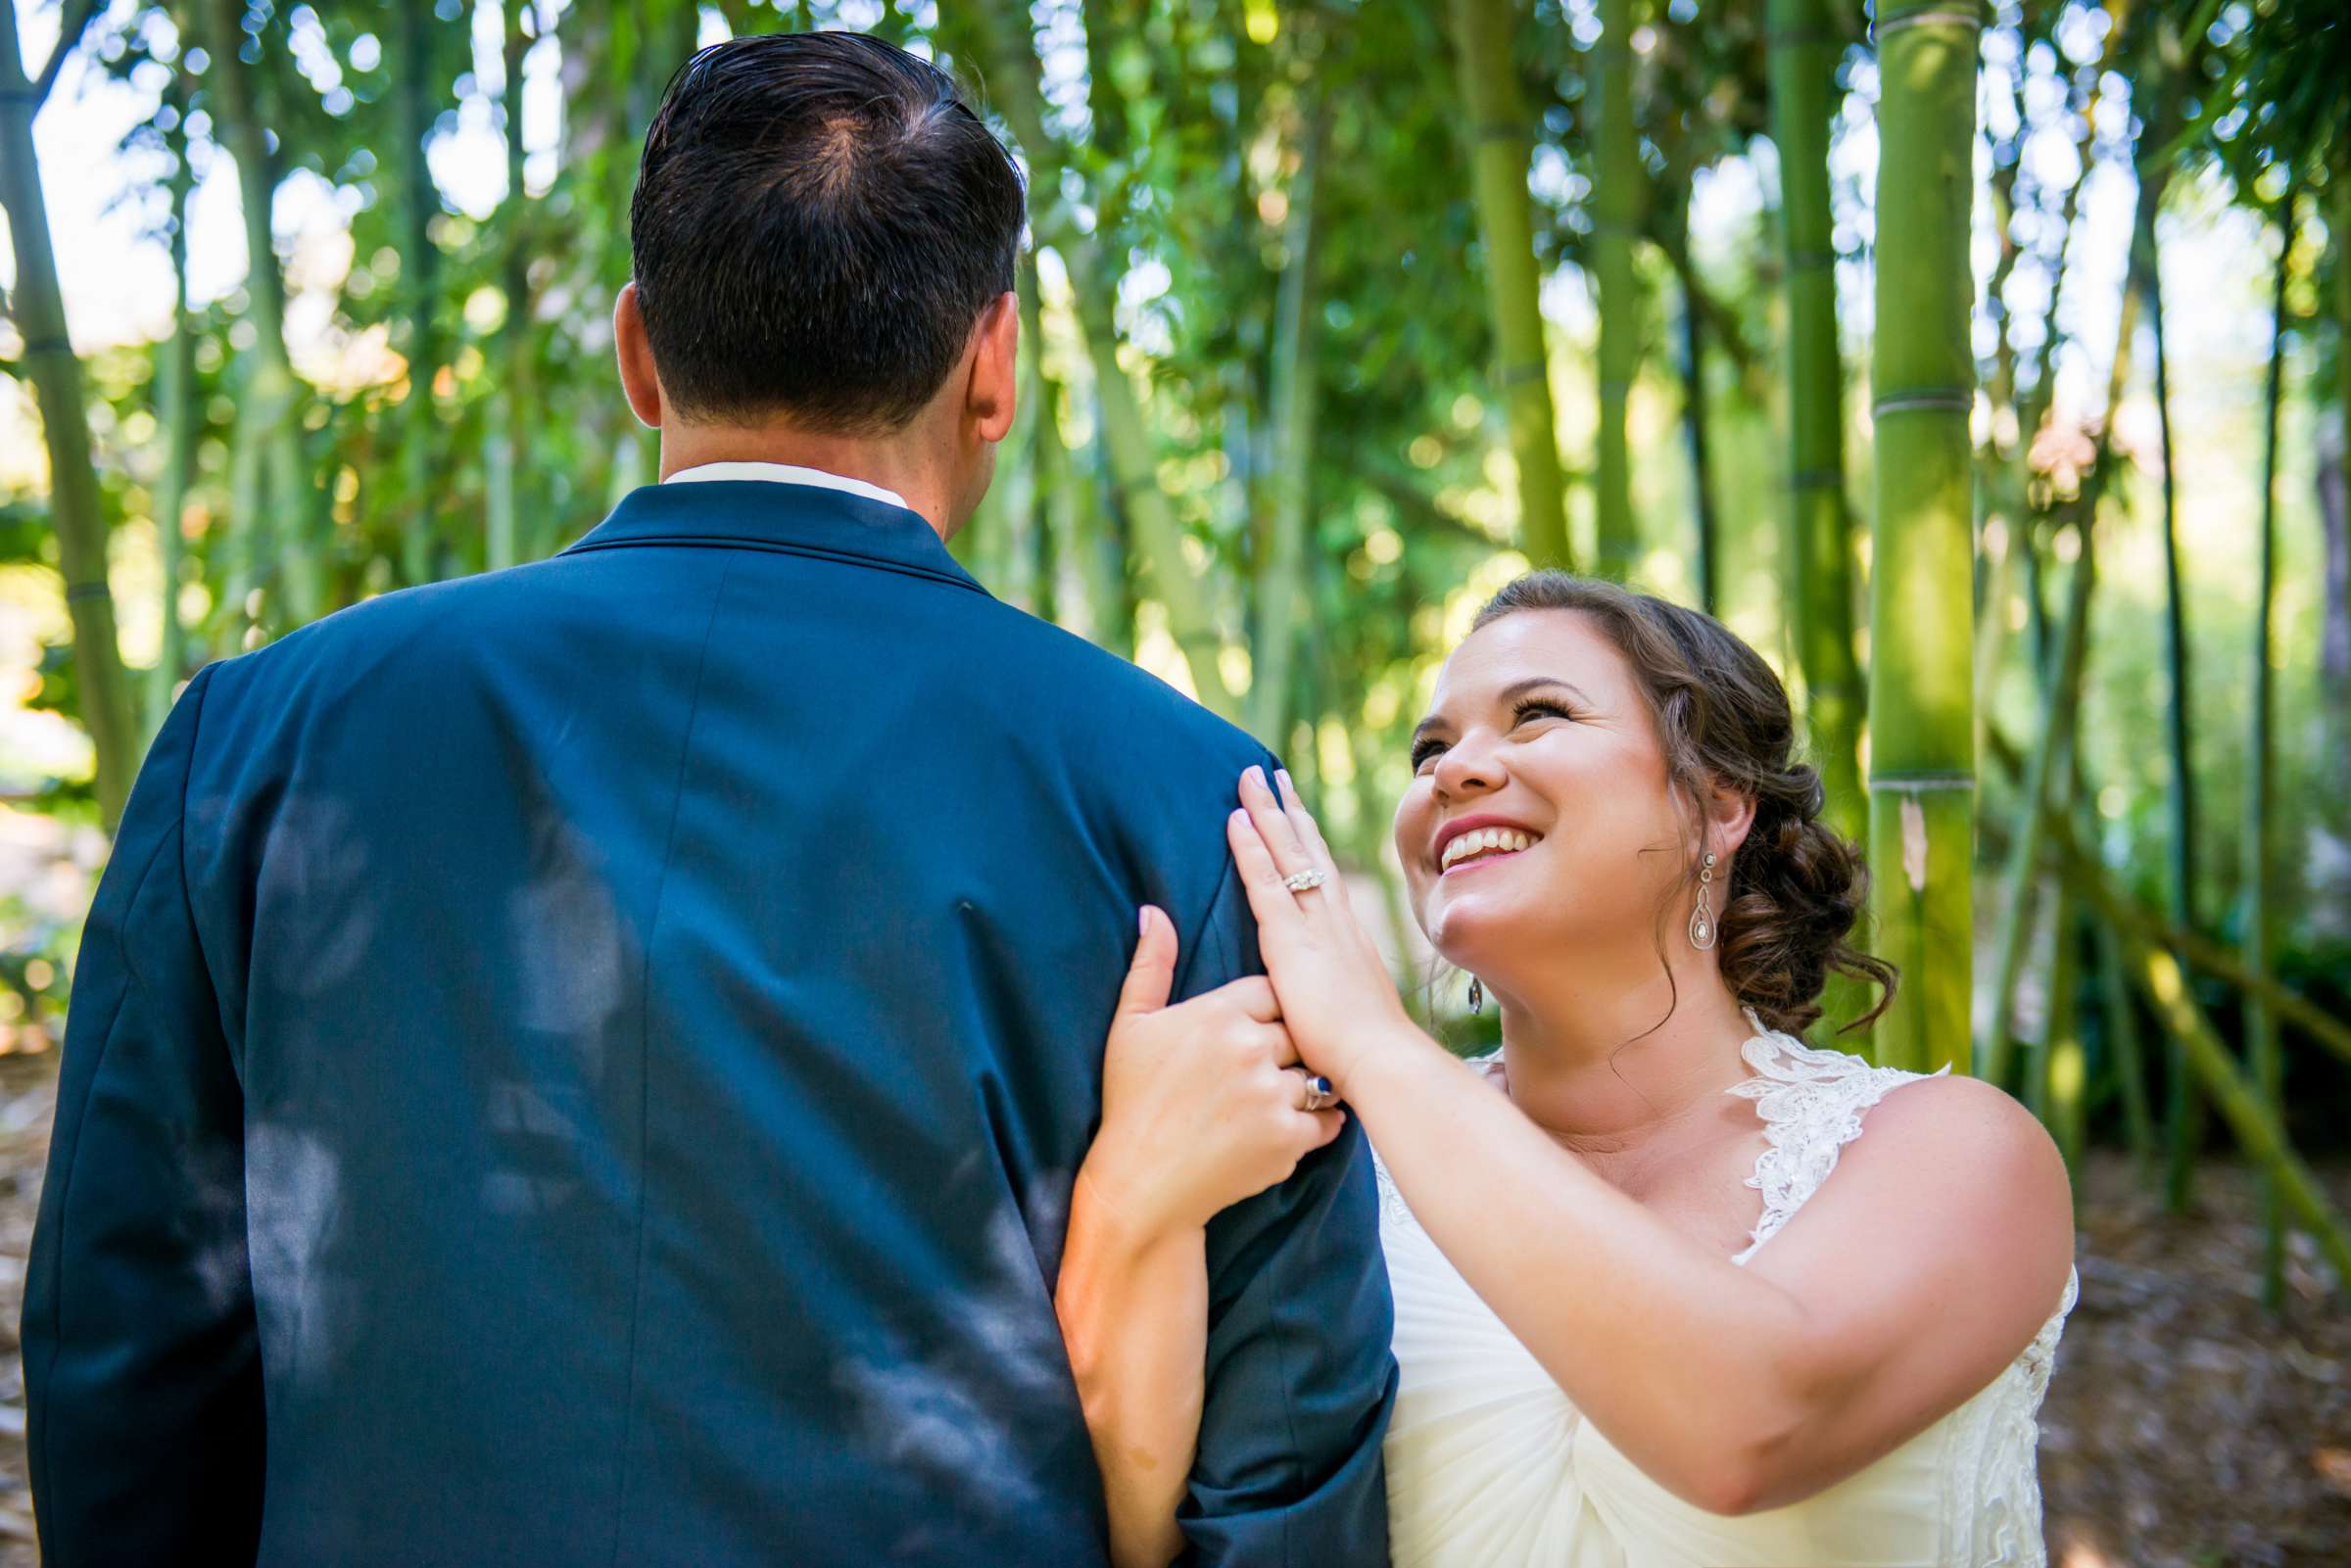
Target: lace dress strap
[(1811, 1102)]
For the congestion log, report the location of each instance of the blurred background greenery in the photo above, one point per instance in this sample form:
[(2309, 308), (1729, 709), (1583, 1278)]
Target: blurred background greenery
[(1338, 316)]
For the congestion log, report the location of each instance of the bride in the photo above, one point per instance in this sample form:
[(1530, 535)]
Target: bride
[(1654, 1302)]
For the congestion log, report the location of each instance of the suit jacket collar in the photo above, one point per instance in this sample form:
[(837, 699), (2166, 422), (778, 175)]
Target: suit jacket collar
[(793, 519)]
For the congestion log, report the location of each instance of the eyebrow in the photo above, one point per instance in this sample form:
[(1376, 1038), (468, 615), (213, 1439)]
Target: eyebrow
[(1508, 694)]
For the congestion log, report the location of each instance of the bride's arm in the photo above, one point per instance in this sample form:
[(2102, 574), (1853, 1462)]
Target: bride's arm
[(1902, 1288), (1133, 1309), (1199, 1110)]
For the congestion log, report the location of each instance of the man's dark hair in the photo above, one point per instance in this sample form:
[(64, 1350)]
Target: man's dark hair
[(819, 221)]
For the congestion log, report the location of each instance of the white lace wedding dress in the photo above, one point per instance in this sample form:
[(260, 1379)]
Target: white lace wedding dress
[(1490, 1466)]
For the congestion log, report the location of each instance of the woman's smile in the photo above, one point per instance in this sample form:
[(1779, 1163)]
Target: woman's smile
[(1471, 842)]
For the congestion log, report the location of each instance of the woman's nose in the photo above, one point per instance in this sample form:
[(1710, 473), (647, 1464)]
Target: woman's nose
[(1468, 767)]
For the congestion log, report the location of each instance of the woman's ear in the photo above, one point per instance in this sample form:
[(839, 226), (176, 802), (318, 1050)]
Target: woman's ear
[(1730, 813)]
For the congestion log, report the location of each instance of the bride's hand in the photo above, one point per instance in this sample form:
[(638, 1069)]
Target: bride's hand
[(1202, 1103), (1336, 991)]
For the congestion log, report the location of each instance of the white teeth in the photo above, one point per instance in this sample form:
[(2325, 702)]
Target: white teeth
[(1485, 840)]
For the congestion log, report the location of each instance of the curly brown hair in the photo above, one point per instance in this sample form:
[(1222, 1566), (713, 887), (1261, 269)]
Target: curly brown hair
[(1797, 886)]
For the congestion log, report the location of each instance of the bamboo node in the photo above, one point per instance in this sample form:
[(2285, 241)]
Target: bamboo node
[(1925, 778), (1952, 400), (1971, 19)]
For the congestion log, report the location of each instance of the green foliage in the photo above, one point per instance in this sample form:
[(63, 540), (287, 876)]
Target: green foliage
[(459, 371)]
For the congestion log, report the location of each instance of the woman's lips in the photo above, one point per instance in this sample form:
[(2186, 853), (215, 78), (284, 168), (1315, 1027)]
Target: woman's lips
[(1478, 863)]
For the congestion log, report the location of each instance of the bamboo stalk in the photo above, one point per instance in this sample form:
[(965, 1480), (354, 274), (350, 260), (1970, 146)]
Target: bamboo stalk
[(1617, 199), (1921, 704), (418, 199), (2060, 1069), (1999, 561), (1040, 452), (2342, 320), (1124, 437), (2206, 956), (2127, 1046), (1282, 611), (75, 508), (1803, 49), (281, 523), (1707, 526), (502, 546), (2335, 659), (2240, 1104), (1500, 147), (2183, 1111), (2147, 930), (176, 413), (2261, 1026), (2061, 689)]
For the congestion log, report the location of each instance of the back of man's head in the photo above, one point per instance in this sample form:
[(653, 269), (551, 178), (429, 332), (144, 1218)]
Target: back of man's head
[(819, 224)]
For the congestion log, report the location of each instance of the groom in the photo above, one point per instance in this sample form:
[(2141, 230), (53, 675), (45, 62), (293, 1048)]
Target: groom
[(586, 1064)]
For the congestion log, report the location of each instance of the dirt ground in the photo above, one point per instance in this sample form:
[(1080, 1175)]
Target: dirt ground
[(2186, 1426)]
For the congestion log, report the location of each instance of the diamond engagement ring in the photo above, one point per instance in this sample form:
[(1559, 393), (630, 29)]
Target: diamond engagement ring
[(1298, 882)]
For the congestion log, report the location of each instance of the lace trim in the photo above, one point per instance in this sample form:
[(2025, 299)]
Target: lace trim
[(1811, 1102)]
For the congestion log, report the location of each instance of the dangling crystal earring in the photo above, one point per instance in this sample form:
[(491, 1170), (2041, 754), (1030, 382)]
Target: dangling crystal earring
[(1701, 919), (1478, 995)]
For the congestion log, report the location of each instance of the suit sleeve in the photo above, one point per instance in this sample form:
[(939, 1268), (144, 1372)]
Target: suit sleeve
[(1300, 1378), (142, 1372)]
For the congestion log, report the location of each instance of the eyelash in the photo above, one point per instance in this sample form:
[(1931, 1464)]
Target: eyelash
[(1526, 706)]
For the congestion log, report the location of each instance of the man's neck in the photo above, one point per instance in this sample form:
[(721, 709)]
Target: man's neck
[(888, 464)]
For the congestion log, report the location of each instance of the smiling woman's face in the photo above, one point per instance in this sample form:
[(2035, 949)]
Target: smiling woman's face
[(1540, 820)]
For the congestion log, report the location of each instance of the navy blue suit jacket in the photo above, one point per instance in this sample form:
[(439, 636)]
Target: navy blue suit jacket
[(586, 1065)]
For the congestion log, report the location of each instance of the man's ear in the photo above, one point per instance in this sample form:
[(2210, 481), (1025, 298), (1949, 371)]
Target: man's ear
[(634, 351), (992, 392)]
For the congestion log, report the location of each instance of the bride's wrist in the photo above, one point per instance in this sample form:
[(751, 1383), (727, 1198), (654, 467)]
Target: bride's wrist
[(1121, 1217), (1391, 1058)]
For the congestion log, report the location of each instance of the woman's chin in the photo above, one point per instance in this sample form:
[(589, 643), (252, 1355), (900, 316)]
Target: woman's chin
[(1469, 929)]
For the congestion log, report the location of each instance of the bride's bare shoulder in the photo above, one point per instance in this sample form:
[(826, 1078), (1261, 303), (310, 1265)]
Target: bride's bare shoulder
[(1968, 1161)]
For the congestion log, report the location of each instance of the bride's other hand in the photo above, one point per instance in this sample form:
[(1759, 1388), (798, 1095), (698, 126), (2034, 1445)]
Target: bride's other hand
[(1333, 985), (1202, 1103)]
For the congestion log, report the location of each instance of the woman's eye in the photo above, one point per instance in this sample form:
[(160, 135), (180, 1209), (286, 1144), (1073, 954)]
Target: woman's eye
[(1537, 707), (1425, 753)]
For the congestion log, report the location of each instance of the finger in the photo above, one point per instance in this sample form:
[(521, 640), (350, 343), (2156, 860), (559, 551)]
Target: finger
[(1281, 1047), (1311, 1092), (1302, 820), (1261, 879), (1281, 840), (1253, 997), (1328, 1125), (1152, 974)]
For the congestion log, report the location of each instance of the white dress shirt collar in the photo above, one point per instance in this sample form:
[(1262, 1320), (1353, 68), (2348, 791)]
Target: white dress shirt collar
[(789, 474)]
